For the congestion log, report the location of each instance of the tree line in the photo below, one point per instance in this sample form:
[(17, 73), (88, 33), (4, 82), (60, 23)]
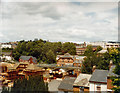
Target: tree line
[(44, 51)]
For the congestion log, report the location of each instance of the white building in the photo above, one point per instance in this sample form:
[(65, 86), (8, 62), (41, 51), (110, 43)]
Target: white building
[(6, 56), (98, 81), (99, 43), (5, 45), (104, 44)]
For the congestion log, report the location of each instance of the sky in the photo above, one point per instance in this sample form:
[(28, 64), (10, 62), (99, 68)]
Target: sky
[(59, 21)]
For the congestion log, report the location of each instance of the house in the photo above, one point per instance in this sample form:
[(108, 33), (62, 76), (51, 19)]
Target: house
[(30, 59), (78, 61), (81, 50), (69, 60), (6, 56), (65, 60), (98, 80), (32, 70), (67, 84), (17, 71), (81, 83)]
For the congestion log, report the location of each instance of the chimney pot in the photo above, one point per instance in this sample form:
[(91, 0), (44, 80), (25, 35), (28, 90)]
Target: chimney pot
[(111, 63), (94, 67)]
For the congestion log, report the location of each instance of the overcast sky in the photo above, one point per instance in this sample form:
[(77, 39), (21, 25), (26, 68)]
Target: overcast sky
[(59, 21)]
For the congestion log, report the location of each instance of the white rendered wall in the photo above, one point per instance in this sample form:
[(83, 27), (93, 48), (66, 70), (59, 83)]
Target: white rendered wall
[(93, 87)]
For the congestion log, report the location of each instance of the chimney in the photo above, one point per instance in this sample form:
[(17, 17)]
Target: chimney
[(94, 67), (111, 63), (84, 44)]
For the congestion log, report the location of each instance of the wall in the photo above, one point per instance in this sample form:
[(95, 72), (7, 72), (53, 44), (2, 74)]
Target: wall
[(93, 86), (65, 61), (109, 83), (6, 46), (76, 88)]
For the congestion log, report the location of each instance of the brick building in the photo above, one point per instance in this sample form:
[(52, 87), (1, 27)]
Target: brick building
[(30, 59), (65, 60)]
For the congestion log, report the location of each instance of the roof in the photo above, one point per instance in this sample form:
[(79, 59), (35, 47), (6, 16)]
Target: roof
[(67, 55), (32, 67), (99, 76), (110, 73), (28, 57), (82, 80), (14, 66), (77, 61), (103, 51), (6, 64), (53, 85), (25, 57), (67, 84)]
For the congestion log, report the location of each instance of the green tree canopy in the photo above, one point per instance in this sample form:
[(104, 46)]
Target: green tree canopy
[(69, 48), (34, 84), (94, 59)]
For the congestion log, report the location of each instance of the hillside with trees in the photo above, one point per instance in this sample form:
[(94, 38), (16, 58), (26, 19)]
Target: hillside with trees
[(44, 51)]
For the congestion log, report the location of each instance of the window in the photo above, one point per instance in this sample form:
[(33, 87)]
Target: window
[(98, 88)]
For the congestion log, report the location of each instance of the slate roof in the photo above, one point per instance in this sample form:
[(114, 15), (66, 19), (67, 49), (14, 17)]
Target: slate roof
[(14, 67), (25, 57), (53, 85), (32, 67), (103, 51), (67, 84), (110, 73), (82, 80), (28, 57), (99, 76), (66, 55)]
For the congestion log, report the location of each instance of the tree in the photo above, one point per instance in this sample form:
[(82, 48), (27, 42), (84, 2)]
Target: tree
[(99, 48), (51, 57), (116, 80), (68, 47), (89, 61), (114, 55), (105, 61), (33, 84), (94, 59)]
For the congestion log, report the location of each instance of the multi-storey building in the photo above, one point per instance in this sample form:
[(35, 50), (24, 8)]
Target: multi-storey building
[(80, 49), (69, 60), (104, 44), (6, 45)]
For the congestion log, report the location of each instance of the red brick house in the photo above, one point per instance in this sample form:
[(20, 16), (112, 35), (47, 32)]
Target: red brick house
[(69, 60), (30, 59), (65, 59)]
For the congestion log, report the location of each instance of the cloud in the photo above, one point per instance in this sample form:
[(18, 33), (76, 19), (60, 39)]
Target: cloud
[(55, 21)]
